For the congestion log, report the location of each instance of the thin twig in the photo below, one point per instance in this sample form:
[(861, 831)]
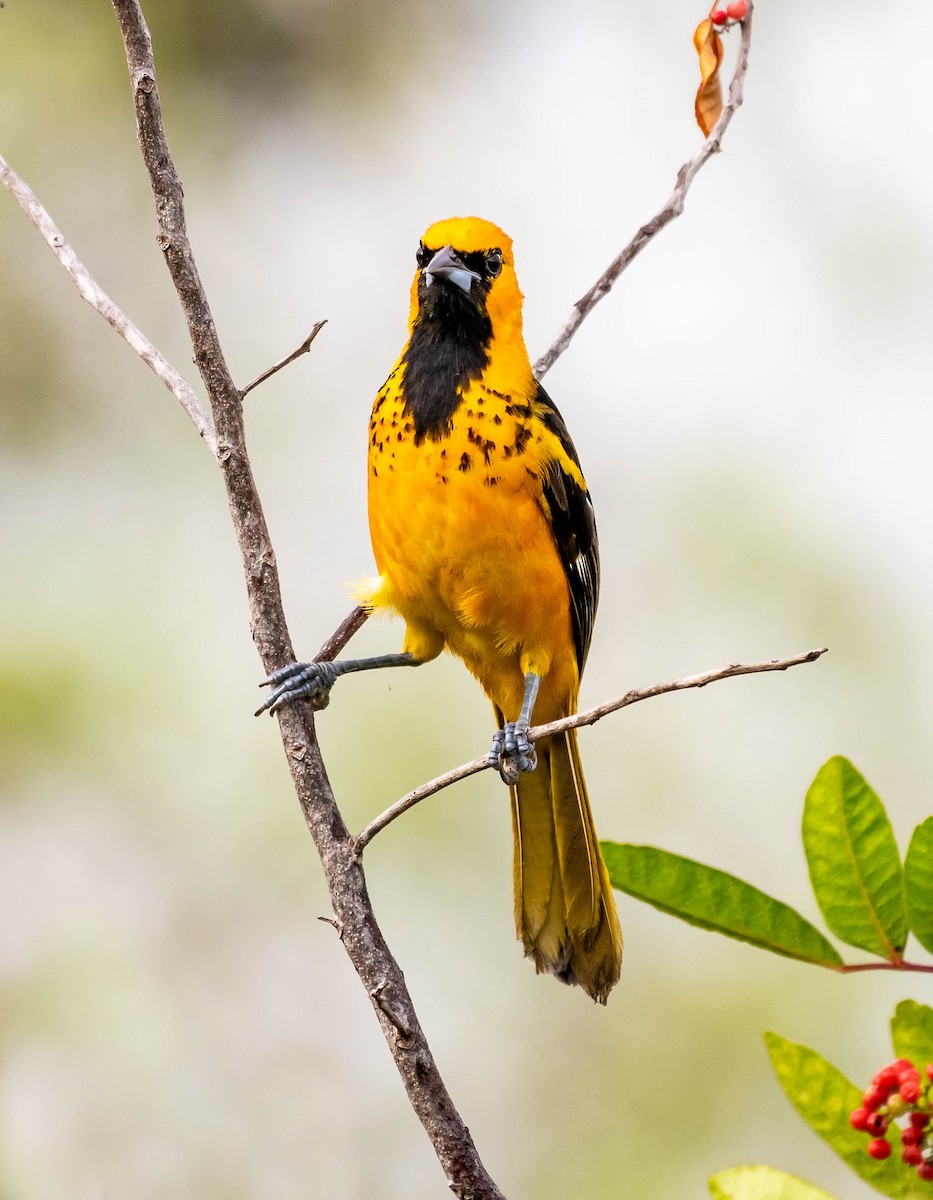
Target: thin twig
[(98, 299), (589, 717), (348, 627), (360, 934), (674, 207), (592, 715), (362, 839), (302, 349)]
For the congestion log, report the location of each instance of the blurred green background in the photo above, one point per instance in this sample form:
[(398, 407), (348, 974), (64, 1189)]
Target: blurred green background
[(752, 407)]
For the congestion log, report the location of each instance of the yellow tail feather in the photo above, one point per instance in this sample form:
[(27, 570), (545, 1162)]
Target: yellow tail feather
[(565, 912)]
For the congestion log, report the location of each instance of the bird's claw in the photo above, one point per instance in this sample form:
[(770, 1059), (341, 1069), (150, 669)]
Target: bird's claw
[(512, 753), (296, 681)]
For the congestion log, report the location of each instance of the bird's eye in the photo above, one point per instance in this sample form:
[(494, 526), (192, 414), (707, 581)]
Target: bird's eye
[(493, 263), (422, 255)]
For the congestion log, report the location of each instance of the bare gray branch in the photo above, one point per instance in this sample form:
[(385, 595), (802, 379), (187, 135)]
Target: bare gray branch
[(98, 299), (589, 717)]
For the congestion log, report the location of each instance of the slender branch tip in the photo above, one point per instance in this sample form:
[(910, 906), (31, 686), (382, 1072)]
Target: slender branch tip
[(302, 349), (671, 210)]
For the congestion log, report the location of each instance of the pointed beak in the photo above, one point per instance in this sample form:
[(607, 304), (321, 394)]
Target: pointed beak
[(448, 265)]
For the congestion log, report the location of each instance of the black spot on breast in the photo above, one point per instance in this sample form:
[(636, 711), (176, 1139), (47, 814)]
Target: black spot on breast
[(465, 462), (522, 438), (484, 444)]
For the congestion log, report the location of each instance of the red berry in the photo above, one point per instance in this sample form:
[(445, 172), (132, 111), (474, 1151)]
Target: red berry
[(874, 1098), (919, 1120), (912, 1155), (876, 1124), (887, 1077), (910, 1091), (903, 1064), (858, 1119), (925, 1171), (719, 16), (909, 1075), (911, 1136), (738, 10), (879, 1148)]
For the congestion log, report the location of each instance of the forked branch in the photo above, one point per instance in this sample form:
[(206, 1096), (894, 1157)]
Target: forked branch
[(353, 913), (223, 432)]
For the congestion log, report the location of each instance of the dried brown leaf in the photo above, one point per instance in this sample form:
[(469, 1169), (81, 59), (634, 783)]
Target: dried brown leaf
[(708, 46)]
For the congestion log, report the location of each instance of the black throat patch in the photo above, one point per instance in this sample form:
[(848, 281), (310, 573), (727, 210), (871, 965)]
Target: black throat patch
[(448, 347)]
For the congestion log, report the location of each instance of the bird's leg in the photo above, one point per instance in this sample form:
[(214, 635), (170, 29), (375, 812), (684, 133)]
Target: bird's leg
[(314, 680), (511, 751)]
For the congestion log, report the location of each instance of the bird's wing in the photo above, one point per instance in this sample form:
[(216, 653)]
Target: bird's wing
[(574, 524)]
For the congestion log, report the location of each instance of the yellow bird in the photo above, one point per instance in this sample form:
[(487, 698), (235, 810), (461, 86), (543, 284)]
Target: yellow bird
[(485, 542)]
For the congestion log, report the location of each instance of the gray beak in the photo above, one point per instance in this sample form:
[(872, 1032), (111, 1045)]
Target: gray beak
[(449, 265)]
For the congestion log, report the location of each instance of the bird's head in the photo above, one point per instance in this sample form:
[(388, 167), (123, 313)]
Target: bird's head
[(465, 282)]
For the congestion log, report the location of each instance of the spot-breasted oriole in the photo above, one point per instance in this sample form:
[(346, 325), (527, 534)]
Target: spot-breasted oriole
[(485, 542)]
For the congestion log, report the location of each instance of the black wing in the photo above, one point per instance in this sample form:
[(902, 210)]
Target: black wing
[(574, 525)]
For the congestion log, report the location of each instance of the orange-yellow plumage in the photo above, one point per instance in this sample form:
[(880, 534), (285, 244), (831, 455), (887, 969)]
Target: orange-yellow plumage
[(483, 537)]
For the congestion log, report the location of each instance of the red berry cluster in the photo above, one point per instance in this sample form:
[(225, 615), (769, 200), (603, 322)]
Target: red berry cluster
[(898, 1091), (736, 11)]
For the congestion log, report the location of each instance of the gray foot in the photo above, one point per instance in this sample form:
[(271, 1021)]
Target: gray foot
[(311, 681), (512, 753)]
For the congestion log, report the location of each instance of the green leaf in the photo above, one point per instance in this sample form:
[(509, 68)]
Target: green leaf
[(854, 865), (918, 883), (714, 900), (824, 1098), (762, 1183), (912, 1033)]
